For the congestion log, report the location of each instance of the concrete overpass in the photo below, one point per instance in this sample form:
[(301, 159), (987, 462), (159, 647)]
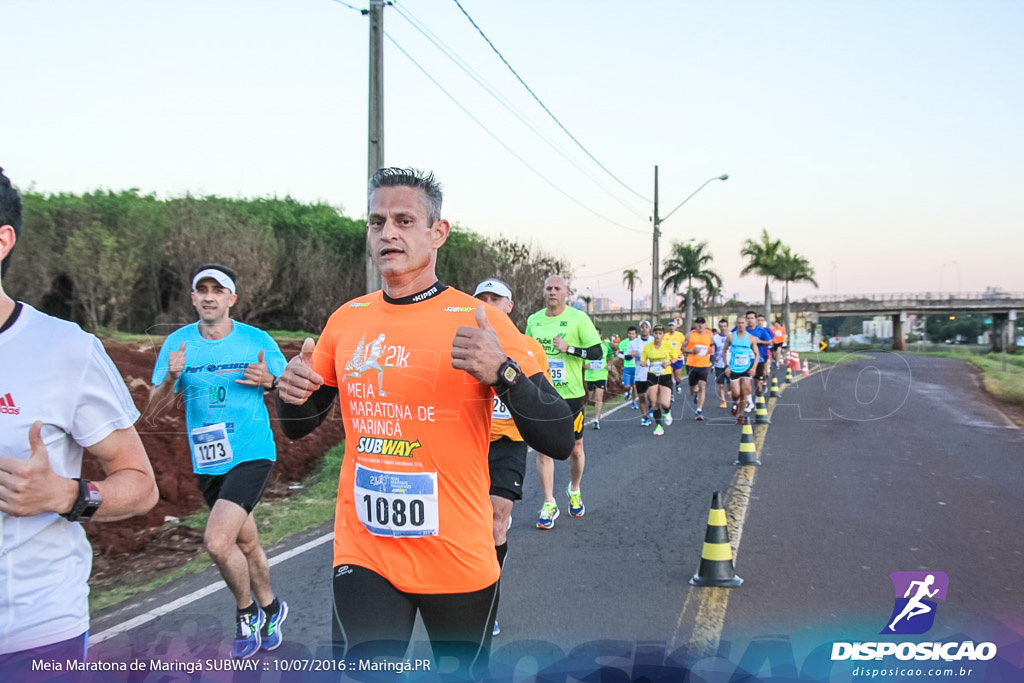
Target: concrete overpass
[(1002, 307)]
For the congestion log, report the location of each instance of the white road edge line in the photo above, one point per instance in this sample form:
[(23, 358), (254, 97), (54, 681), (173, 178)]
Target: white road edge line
[(135, 622)]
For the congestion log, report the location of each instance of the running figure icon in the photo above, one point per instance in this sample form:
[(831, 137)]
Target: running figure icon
[(915, 606)]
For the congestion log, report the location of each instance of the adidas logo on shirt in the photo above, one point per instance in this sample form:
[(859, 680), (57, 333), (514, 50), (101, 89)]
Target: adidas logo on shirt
[(7, 406)]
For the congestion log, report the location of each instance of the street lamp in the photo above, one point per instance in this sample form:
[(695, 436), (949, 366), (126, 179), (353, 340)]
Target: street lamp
[(655, 268)]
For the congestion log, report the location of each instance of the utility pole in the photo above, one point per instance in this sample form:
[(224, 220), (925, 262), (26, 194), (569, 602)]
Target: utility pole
[(375, 130), (655, 260)]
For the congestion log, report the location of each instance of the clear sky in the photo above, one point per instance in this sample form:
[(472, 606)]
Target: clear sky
[(879, 139)]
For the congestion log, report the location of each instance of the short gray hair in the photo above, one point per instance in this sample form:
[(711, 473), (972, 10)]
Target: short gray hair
[(411, 177)]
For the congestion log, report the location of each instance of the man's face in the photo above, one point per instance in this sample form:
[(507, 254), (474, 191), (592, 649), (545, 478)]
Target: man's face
[(741, 324), (502, 303), (212, 301), (701, 327), (631, 334), (751, 320), (645, 331), (760, 320), (555, 292), (399, 235), (671, 328), (723, 327)]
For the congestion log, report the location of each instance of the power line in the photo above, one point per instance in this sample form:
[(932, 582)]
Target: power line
[(544, 107), (361, 11), (503, 144), (492, 91)]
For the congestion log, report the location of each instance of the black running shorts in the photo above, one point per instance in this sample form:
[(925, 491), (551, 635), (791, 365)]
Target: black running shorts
[(243, 484), (506, 460)]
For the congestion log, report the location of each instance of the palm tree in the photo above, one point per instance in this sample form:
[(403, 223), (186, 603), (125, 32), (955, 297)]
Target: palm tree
[(631, 278), (792, 267), (763, 259), (689, 262)]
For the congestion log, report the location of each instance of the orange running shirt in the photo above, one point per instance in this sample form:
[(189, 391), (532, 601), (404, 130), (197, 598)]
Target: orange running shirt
[(413, 500), (502, 423), (699, 348)]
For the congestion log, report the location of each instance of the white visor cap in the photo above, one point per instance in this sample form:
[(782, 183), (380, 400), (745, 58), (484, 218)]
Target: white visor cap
[(494, 287), (220, 276)]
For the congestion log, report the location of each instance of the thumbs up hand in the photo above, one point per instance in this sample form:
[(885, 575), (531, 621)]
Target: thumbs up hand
[(257, 374), (31, 487), (299, 380), (176, 362), (476, 349)]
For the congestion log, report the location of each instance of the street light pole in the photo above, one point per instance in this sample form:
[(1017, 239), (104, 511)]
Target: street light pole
[(655, 263), (375, 143)]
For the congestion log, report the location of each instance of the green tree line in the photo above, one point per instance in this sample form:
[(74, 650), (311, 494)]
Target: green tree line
[(122, 260)]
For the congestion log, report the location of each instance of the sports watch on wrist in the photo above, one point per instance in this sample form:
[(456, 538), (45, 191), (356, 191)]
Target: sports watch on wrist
[(273, 385), (509, 374), (88, 501)]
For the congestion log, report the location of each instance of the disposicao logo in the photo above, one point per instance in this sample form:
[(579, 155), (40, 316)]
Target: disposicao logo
[(915, 605), (913, 613)]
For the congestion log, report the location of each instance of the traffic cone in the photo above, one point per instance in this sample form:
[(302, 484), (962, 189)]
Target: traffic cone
[(748, 451), (761, 414), (789, 375), (716, 557), (807, 368), (775, 387)]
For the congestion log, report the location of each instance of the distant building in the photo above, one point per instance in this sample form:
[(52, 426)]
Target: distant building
[(880, 327), (603, 303)]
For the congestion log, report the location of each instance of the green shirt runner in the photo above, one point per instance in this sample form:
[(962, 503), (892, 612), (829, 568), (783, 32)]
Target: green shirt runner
[(597, 370), (578, 331)]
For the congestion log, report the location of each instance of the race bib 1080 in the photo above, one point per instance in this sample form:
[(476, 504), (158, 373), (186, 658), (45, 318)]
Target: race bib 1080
[(397, 504)]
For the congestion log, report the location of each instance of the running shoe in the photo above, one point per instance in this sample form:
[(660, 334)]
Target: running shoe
[(700, 415), (634, 406), (750, 407), (597, 424), (741, 420), (576, 506), (496, 630), (270, 634), (735, 409), (667, 418), (247, 636), (645, 422), (658, 431), (548, 515), (679, 389), (723, 405)]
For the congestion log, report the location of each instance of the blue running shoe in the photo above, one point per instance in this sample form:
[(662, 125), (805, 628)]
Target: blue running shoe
[(496, 630), (247, 637), (576, 506), (271, 632), (548, 514)]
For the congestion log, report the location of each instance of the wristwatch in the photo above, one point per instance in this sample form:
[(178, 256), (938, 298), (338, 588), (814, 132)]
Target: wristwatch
[(273, 385), (509, 374), (88, 501)]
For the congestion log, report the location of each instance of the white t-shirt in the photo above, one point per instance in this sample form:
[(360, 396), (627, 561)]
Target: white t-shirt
[(636, 348), (54, 372)]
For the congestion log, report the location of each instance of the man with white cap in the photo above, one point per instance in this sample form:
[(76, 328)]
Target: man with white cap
[(506, 456), (222, 367)]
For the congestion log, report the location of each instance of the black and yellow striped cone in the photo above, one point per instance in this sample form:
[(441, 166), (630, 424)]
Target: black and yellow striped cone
[(748, 451), (789, 375), (761, 414), (775, 387), (716, 557)]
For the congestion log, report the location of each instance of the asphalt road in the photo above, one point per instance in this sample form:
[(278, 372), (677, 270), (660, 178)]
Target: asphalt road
[(891, 463)]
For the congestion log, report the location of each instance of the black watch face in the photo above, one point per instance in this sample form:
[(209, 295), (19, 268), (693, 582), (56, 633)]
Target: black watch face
[(510, 373)]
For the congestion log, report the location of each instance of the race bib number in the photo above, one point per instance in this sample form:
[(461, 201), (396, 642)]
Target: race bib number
[(700, 350), (210, 446), (657, 367), (396, 504), (741, 359), (500, 410), (556, 368), (596, 365)]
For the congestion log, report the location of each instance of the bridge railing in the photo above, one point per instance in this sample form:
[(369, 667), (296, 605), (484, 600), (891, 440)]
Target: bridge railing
[(938, 297)]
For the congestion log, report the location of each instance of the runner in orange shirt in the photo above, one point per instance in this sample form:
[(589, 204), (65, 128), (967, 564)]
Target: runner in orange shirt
[(507, 455), (698, 345), (412, 530)]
